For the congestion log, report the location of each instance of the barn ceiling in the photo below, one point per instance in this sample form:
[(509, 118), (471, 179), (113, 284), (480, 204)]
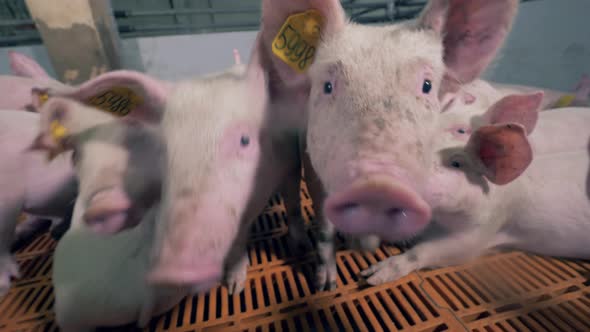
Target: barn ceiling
[(140, 18)]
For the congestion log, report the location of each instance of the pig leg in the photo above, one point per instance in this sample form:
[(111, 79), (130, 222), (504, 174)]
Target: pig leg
[(237, 275), (9, 212), (441, 250), (28, 229), (327, 272), (367, 242), (298, 239), (237, 262)]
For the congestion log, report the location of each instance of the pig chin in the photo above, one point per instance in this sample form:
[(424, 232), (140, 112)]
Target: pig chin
[(380, 205)]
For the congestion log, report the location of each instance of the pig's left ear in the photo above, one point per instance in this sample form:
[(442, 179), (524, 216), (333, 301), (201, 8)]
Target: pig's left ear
[(522, 109), (123, 93), (502, 152)]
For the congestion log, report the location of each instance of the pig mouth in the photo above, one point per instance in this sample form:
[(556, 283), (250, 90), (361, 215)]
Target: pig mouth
[(200, 279), (379, 205)]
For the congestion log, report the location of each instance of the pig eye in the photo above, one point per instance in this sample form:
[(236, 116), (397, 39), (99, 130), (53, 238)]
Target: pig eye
[(245, 141), (328, 88), (426, 86), (461, 131), (456, 164)]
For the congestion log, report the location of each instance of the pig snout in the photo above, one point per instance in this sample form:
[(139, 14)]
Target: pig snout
[(107, 211), (199, 273), (378, 205), (192, 247)]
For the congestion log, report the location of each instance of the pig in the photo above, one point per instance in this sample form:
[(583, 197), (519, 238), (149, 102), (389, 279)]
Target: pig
[(372, 95), (553, 99), (24, 66), (28, 74), (29, 183), (17, 95), (99, 270), (485, 190), (229, 150)]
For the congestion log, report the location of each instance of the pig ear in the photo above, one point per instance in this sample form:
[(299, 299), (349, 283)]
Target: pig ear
[(502, 151), (63, 118), (473, 32), (237, 58), (274, 15), (22, 65), (256, 73), (123, 93), (521, 109)]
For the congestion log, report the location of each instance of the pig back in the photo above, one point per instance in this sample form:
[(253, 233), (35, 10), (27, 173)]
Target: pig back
[(552, 217), (561, 130)]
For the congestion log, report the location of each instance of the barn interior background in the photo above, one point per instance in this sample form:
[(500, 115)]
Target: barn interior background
[(548, 47)]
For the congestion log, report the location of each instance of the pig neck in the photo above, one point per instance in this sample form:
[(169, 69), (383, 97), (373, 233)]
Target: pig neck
[(487, 205), (497, 205), (279, 155), (561, 131)]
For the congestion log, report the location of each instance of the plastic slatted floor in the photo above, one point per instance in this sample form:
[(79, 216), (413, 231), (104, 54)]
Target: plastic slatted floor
[(509, 291)]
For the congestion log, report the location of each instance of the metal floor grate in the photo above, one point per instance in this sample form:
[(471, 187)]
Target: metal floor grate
[(504, 291)]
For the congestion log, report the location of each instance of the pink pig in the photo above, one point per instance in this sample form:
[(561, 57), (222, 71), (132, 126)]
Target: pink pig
[(35, 186), (375, 96), (485, 190), (227, 152), (16, 90)]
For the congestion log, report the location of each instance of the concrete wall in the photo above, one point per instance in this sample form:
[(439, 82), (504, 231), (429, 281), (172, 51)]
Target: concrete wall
[(549, 47)]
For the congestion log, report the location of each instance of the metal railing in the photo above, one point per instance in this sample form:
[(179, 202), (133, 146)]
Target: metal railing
[(20, 29)]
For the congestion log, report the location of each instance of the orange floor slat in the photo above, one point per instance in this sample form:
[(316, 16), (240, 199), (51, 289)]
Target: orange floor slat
[(502, 291)]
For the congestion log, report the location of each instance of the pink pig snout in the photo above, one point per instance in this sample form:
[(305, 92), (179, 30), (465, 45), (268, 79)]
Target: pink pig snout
[(192, 247), (201, 278), (107, 211), (378, 205)]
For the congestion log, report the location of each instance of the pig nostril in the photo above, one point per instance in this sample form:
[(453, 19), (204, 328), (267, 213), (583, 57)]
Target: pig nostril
[(349, 206), (395, 211)]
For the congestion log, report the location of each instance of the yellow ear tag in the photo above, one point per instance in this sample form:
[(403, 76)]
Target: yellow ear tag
[(565, 101), (43, 98), (298, 38), (117, 100), (57, 130)]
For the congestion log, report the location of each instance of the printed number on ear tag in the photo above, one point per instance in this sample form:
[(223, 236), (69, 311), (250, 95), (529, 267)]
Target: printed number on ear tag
[(117, 100), (298, 38)]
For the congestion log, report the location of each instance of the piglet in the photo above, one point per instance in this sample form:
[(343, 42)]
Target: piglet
[(503, 185), (99, 270), (228, 151), (25, 66), (28, 74), (29, 183), (553, 99)]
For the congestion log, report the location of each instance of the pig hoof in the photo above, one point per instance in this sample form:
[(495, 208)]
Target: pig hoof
[(326, 277), (8, 269), (391, 269), (236, 281), (298, 240), (366, 243)]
